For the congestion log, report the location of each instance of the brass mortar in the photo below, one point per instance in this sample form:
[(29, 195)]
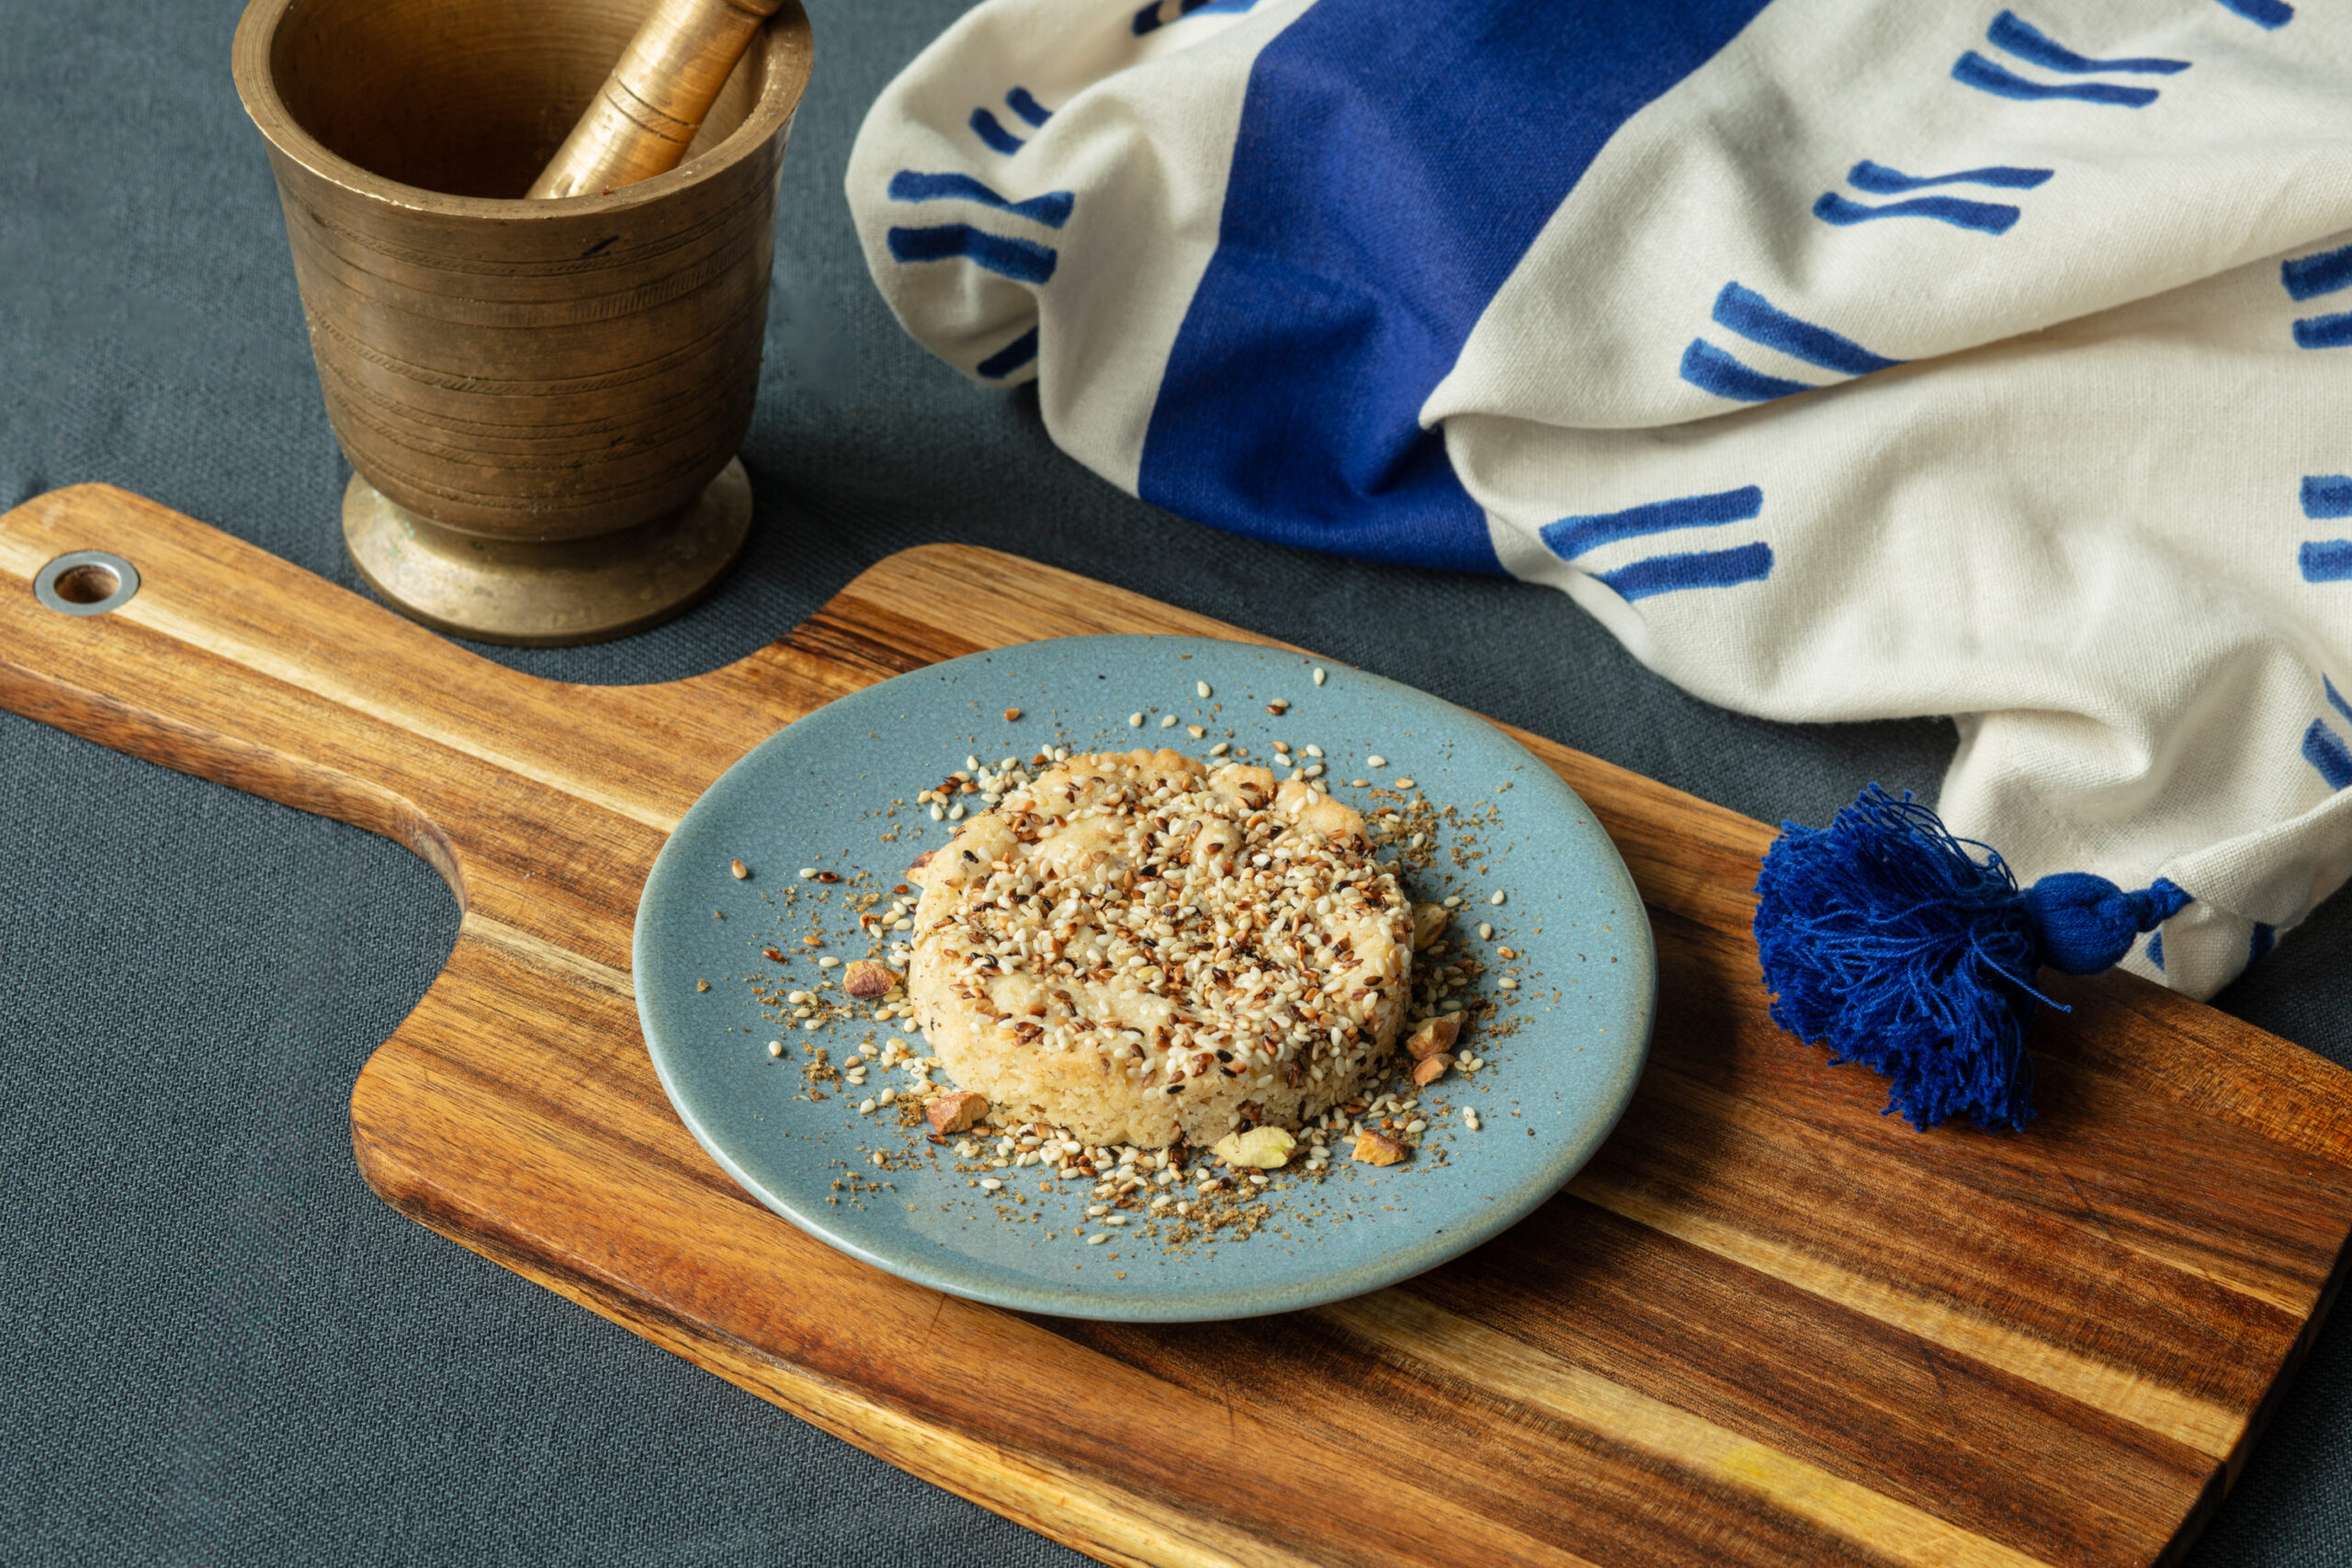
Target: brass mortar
[(542, 399)]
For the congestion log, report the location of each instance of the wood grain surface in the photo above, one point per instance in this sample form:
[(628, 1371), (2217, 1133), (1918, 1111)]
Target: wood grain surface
[(1766, 1324)]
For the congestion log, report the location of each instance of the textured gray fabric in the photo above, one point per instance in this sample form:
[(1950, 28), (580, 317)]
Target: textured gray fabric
[(222, 1350)]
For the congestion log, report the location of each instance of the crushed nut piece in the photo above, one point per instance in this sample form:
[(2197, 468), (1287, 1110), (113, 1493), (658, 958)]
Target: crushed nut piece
[(1377, 1148), (1264, 1148), (1435, 1034), (1430, 1068), (1428, 922), (1010, 714), (954, 1112), (867, 980)]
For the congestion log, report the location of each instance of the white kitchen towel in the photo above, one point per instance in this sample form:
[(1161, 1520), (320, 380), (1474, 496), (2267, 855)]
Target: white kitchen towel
[(1846, 361)]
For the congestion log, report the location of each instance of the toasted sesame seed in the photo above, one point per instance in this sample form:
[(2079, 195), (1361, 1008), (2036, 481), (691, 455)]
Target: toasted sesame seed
[(1135, 720), (878, 1158), (1318, 675), (1202, 687), (738, 869), (1403, 784), (1010, 714), (1496, 897), (1220, 748)]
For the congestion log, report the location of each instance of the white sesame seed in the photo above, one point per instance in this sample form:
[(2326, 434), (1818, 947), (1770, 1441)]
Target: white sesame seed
[(1403, 784), (1485, 931), (775, 1047), (1098, 1238), (1315, 750), (1114, 1219), (797, 996), (1318, 675), (1507, 984), (1470, 1116), (937, 814), (1220, 748), (886, 1097), (956, 813), (990, 1184), (1453, 901), (1376, 762), (865, 1108), (1202, 687), (1495, 898), (829, 962), (1359, 783), (1135, 720), (1416, 1125), (1313, 769), (807, 874), (1167, 721), (807, 1023), (877, 1156)]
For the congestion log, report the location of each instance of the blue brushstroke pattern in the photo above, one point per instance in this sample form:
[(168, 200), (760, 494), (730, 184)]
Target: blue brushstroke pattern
[(2323, 751), (990, 129), (1020, 103), (2325, 560), (2324, 332), (1710, 370), (1571, 536), (1010, 357), (1147, 19), (1880, 180), (2012, 34), (1972, 70), (1758, 320), (2262, 13), (2265, 936), (1052, 209), (1022, 260), (2308, 277), (2327, 495), (1701, 569), (2335, 698), (2156, 950), (1984, 217)]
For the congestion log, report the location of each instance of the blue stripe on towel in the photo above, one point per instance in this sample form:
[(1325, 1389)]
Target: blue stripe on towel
[(2308, 277), (2011, 34), (1022, 260), (2323, 751), (2327, 495), (990, 129), (1571, 536), (2324, 331), (1393, 164), (1701, 569), (1986, 217), (1972, 70), (1052, 209), (1758, 320), (1710, 370), (1880, 180), (2334, 698), (2262, 13), (1010, 357), (2156, 950), (1020, 103), (2325, 560)]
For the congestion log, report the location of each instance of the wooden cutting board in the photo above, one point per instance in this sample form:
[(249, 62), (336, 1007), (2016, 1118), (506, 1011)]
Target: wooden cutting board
[(1765, 1326)]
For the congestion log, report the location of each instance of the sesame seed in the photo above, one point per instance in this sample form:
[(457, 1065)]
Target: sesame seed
[(1453, 901), (1403, 784), (1010, 714), (1195, 732), (1220, 748), (877, 1156), (738, 869), (938, 814), (865, 1108), (797, 996), (829, 962), (956, 813), (990, 1184), (1495, 898), (1359, 783), (1098, 1238), (1507, 984), (1485, 931), (1416, 1125), (1315, 750), (1135, 720), (1376, 762), (1318, 675), (807, 874), (775, 1047), (807, 1023), (1167, 721), (1202, 687)]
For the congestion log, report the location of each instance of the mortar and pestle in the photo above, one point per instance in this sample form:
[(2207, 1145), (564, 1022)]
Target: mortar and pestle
[(536, 285)]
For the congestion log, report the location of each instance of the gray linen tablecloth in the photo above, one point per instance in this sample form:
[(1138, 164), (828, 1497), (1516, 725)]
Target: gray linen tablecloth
[(220, 1348)]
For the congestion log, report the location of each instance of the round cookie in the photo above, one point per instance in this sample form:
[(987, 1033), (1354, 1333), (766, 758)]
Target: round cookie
[(1135, 948)]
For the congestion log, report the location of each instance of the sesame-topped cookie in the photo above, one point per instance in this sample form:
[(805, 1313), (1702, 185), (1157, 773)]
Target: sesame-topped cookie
[(1134, 947)]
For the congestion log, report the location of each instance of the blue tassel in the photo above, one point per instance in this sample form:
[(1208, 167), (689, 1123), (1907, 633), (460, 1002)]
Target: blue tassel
[(1886, 939)]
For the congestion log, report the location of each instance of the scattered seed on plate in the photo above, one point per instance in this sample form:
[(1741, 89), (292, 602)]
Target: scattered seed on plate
[(1403, 784), (1453, 901), (807, 874), (738, 868), (990, 1184), (1485, 931), (1507, 984), (775, 1047), (1135, 720), (1495, 898), (1010, 714), (1470, 1117), (1202, 687), (1376, 762), (937, 814), (865, 1108), (829, 962), (1098, 1238), (1220, 748), (1315, 750), (1359, 783), (1167, 721), (1318, 675)]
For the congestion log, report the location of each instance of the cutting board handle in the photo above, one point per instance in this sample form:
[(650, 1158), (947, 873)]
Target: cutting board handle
[(229, 663)]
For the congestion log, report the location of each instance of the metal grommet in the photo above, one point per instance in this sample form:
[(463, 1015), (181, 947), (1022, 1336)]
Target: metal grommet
[(86, 582)]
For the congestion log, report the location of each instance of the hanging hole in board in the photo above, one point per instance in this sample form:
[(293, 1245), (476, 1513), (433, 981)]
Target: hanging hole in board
[(86, 582)]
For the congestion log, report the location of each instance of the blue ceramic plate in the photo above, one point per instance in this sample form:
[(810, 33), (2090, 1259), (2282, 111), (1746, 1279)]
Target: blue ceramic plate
[(835, 793)]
